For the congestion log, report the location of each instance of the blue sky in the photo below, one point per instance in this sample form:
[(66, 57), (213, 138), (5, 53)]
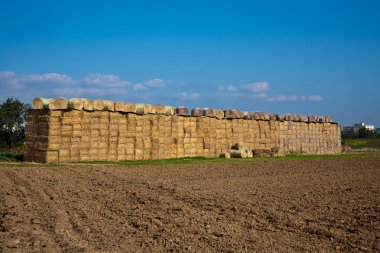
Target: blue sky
[(306, 57)]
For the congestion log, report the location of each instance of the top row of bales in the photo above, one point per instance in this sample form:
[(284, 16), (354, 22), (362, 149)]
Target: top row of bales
[(140, 108)]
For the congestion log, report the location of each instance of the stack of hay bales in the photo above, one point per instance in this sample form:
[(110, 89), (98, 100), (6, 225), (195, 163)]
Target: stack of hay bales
[(84, 130)]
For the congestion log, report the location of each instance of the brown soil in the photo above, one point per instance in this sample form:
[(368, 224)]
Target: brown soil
[(293, 206)]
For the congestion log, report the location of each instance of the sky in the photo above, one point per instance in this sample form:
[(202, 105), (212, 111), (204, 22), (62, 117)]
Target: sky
[(295, 56)]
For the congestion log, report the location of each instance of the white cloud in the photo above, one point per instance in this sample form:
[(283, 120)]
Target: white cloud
[(48, 77), (261, 95), (294, 98), (314, 98), (105, 80), (153, 83), (257, 87), (139, 87), (187, 96), (231, 88), (16, 81), (55, 84)]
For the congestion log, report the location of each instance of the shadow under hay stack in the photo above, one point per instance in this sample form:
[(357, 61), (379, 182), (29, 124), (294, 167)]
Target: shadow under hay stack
[(78, 129)]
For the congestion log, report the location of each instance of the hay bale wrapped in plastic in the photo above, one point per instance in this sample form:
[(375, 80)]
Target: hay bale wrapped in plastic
[(169, 110), (44, 103), (141, 108)]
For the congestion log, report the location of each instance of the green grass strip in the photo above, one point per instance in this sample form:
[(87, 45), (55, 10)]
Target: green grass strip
[(200, 160)]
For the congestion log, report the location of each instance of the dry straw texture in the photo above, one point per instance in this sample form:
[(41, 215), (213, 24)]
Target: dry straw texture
[(93, 131)]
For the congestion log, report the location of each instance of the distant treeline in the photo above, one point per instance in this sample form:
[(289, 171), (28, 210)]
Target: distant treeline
[(362, 133)]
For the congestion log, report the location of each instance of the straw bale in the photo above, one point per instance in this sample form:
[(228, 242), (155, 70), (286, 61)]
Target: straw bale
[(273, 116), (141, 108), (289, 117), (88, 104), (182, 111), (169, 110), (226, 155), (196, 112), (312, 118), (303, 118), (207, 112), (75, 103), (328, 119), (109, 105), (151, 108), (230, 114), (266, 116), (98, 105), (44, 103), (64, 153), (119, 106), (219, 114), (321, 119), (61, 103), (130, 107)]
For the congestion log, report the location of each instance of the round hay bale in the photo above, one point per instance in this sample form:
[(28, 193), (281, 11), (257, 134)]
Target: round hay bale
[(219, 114), (98, 105), (119, 106), (230, 114), (76, 103), (182, 111), (88, 104), (160, 109), (169, 110), (61, 103), (44, 103), (226, 155), (303, 118), (141, 108), (130, 107), (196, 112), (207, 112), (273, 116), (109, 105), (151, 108)]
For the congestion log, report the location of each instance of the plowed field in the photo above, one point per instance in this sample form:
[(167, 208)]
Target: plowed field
[(288, 206)]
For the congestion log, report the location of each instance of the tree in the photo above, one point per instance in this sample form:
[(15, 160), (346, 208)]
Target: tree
[(12, 122), (364, 133)]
